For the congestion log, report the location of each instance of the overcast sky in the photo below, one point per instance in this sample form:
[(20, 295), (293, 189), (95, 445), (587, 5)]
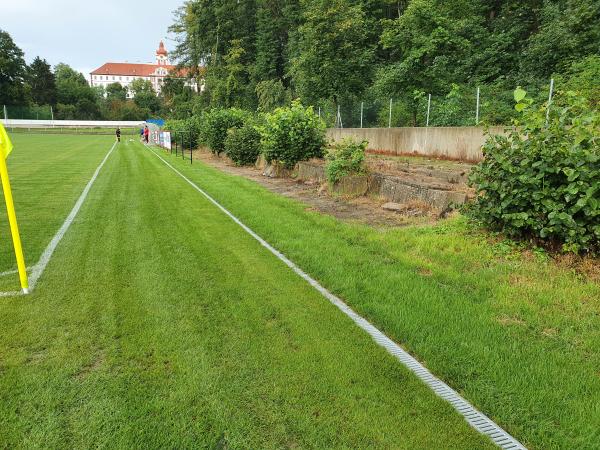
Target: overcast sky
[(86, 34)]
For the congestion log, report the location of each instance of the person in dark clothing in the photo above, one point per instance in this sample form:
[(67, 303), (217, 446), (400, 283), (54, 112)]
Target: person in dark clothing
[(118, 133)]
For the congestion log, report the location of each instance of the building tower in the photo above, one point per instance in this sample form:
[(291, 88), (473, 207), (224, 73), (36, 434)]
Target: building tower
[(161, 55)]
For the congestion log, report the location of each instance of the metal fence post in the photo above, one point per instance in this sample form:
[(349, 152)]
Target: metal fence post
[(428, 109), (362, 104), (549, 100), (390, 115), (338, 119), (477, 109)]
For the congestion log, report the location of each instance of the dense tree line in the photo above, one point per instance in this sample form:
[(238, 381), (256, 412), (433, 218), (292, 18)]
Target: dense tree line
[(29, 91), (258, 54)]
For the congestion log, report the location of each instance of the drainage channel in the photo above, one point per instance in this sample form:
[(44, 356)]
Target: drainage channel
[(474, 417)]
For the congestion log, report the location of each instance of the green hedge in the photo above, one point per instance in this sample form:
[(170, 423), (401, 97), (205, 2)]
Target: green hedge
[(242, 145), (191, 126), (292, 134), (215, 124)]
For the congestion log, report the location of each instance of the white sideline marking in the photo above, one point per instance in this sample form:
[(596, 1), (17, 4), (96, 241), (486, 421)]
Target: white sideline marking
[(12, 271), (474, 417), (38, 269)]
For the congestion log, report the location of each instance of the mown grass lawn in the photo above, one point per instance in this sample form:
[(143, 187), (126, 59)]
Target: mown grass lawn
[(160, 324), (517, 335), (47, 174)]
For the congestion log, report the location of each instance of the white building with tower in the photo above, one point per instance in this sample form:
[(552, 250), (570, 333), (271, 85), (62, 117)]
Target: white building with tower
[(125, 73)]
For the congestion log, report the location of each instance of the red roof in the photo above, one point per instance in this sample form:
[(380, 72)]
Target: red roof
[(161, 49), (133, 70)]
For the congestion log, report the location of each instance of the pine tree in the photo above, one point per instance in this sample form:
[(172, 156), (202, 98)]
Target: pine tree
[(42, 82)]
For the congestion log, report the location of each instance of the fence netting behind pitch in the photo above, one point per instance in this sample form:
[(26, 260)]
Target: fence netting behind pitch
[(457, 108)]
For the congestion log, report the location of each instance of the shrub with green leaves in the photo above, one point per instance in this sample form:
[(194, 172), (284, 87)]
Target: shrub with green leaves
[(345, 158), (242, 145), (292, 134), (543, 181), (190, 128), (215, 124), (173, 124)]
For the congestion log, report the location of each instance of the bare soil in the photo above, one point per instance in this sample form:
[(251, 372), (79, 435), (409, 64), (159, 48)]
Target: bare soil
[(316, 197)]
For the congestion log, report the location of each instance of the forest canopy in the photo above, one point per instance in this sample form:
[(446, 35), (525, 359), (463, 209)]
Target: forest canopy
[(259, 53)]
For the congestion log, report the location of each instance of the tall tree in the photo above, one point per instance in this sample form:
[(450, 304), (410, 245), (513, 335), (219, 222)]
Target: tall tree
[(334, 58), (141, 86), (12, 71), (144, 95), (71, 85), (115, 91), (204, 31), (232, 90), (569, 30), (72, 89), (42, 82), (276, 23), (337, 50)]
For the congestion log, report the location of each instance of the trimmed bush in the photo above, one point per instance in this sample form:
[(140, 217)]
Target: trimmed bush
[(541, 181), (242, 145), (292, 134), (191, 127), (345, 158), (214, 126)]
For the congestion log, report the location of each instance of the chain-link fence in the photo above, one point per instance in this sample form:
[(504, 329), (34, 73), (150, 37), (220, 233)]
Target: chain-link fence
[(29, 112), (462, 106)]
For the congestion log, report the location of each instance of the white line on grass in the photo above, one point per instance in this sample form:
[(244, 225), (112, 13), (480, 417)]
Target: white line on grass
[(38, 269), (13, 271), (474, 417)]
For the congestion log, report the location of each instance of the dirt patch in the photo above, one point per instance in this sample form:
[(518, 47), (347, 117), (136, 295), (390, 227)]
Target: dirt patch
[(588, 266), (366, 210), (91, 367), (36, 357), (508, 320)]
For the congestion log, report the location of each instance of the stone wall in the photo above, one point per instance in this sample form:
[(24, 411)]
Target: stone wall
[(455, 143), (388, 187)]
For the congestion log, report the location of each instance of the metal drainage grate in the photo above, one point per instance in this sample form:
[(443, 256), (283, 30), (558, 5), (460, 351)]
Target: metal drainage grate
[(475, 418)]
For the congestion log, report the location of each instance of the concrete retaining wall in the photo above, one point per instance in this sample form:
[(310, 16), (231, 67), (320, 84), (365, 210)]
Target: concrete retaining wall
[(456, 143), (388, 187)]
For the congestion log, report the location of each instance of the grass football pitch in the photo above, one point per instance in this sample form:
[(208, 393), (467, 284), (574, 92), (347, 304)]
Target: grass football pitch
[(160, 323)]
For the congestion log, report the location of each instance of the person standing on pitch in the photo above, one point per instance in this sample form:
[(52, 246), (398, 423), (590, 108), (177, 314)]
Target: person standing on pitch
[(142, 134), (118, 133), (146, 133)]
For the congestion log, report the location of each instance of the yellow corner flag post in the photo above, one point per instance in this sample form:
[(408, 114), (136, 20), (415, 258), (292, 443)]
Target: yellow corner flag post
[(5, 148)]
